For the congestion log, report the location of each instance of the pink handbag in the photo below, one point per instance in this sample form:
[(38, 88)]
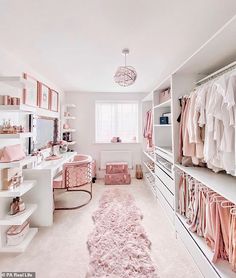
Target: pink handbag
[(112, 179), (12, 153), (164, 96)]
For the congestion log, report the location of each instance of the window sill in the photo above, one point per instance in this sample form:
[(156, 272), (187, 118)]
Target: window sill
[(118, 143)]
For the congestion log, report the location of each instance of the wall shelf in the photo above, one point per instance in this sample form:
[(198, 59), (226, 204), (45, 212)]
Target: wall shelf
[(17, 135), (16, 82), (20, 217), (20, 163), (68, 130), (163, 104), (23, 245), (69, 117), (159, 125), (71, 143), (17, 108), (19, 191)]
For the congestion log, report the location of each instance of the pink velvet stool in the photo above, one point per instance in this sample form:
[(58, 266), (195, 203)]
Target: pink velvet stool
[(75, 175)]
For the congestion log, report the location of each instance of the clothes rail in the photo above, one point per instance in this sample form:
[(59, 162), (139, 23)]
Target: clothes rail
[(216, 74)]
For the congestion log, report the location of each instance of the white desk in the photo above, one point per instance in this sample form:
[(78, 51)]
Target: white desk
[(42, 193)]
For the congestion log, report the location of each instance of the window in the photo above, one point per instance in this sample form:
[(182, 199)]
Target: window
[(116, 119)]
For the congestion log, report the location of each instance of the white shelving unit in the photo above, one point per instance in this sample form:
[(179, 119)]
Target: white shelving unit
[(216, 53), (17, 135), (14, 85), (67, 119)]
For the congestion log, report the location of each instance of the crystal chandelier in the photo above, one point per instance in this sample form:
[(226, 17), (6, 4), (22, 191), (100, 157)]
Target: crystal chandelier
[(125, 75)]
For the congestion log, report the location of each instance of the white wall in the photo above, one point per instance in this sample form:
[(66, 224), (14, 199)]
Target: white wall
[(85, 124)]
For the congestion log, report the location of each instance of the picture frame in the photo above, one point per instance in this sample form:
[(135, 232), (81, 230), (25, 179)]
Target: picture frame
[(44, 96), (30, 95), (54, 100)]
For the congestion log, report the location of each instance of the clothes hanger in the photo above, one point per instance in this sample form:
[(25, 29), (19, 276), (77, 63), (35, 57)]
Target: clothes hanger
[(225, 204), (233, 211)]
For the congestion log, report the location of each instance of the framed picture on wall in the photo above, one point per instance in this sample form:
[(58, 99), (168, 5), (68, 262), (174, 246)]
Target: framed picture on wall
[(44, 96), (30, 94), (54, 100)]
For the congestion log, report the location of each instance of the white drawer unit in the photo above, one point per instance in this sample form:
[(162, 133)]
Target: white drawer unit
[(165, 192), (165, 178), (166, 207)]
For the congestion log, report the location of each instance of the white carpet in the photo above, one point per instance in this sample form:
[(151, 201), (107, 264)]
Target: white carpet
[(61, 250)]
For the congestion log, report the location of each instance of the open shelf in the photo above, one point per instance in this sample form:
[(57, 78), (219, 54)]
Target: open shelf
[(19, 191), (221, 183), (69, 105), (71, 143), (17, 135), (20, 163), (222, 267), (16, 81), (69, 117), (23, 245), (163, 104), (17, 108), (166, 125), (19, 218), (68, 130)]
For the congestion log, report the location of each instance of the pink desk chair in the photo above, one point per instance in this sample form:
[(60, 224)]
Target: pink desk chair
[(75, 175)]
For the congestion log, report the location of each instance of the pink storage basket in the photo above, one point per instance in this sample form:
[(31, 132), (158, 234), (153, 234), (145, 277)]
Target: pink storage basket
[(117, 167)]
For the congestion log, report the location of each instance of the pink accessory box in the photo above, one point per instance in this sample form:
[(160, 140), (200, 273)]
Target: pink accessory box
[(117, 167), (164, 96), (17, 233), (120, 178), (12, 153)]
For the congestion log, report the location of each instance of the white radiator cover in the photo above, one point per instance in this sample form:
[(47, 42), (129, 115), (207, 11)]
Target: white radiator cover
[(115, 156)]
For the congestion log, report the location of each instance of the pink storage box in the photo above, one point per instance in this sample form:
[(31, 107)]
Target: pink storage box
[(12, 153), (164, 96), (117, 167), (112, 179), (17, 233)]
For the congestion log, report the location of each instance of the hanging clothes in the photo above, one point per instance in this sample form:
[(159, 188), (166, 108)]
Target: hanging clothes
[(209, 218), (207, 125), (148, 129)]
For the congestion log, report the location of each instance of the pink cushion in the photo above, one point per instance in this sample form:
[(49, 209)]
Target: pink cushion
[(117, 179), (12, 153)]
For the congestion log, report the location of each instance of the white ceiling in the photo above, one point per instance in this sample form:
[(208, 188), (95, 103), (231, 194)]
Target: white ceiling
[(77, 43)]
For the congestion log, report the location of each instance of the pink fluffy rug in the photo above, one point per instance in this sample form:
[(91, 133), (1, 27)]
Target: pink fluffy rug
[(118, 246)]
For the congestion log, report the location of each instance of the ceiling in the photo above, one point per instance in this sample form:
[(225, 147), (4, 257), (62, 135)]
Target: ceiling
[(77, 43)]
